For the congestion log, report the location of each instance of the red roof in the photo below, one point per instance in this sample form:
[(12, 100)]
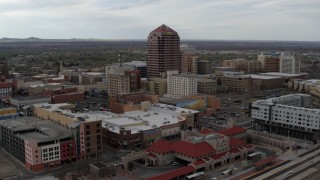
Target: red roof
[(198, 162), (172, 174), (264, 161), (234, 150), (164, 28), (193, 149), (236, 142), (161, 146), (232, 131), (152, 155), (218, 156), (206, 131), (4, 85)]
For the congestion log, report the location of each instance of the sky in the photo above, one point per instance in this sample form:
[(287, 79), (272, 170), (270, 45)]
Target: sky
[(134, 19)]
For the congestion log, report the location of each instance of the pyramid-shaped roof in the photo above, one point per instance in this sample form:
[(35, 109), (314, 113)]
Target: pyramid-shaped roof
[(164, 28)]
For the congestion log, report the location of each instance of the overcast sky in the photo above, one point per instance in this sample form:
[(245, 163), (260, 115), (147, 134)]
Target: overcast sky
[(134, 19)]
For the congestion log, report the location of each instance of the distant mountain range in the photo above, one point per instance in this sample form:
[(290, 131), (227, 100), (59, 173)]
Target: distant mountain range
[(35, 39)]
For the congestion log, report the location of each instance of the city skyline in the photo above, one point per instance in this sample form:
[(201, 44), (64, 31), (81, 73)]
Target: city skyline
[(134, 19)]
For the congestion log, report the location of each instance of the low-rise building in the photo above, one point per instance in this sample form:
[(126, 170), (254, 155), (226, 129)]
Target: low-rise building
[(236, 82), (40, 88), (65, 95), (29, 100), (139, 128), (8, 113), (260, 82), (204, 152), (5, 89), (87, 128), (37, 143), (287, 76), (131, 102)]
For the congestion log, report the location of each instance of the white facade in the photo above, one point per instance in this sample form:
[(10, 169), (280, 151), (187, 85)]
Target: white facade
[(288, 63), (29, 101), (182, 84), (288, 110), (6, 91), (50, 153)]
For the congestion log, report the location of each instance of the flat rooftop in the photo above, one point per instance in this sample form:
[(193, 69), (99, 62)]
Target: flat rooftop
[(255, 76), (281, 74), (135, 120), (173, 108), (64, 109), (22, 98), (44, 85), (32, 128)]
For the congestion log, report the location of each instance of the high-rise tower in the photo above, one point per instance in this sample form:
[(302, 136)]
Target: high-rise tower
[(163, 51)]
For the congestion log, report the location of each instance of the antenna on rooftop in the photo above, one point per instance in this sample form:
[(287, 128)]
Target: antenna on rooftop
[(120, 60)]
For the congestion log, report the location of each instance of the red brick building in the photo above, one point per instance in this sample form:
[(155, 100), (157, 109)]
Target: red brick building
[(65, 95), (131, 102)]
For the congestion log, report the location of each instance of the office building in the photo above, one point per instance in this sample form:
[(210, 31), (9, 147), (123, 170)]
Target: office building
[(163, 52), (288, 63), (206, 86), (138, 65), (270, 61), (247, 66), (189, 59), (288, 115), (118, 84), (5, 89), (204, 67), (182, 84), (156, 86)]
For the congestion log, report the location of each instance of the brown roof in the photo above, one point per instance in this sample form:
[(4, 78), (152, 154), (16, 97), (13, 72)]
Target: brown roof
[(184, 147), (164, 28), (232, 131)]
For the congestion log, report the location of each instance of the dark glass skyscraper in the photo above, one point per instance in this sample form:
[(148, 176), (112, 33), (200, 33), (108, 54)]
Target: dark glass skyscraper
[(163, 51)]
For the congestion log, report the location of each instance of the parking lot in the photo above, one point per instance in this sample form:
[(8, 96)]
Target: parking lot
[(236, 105), (94, 101)]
